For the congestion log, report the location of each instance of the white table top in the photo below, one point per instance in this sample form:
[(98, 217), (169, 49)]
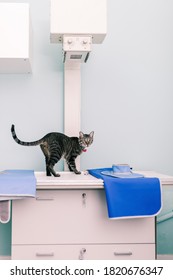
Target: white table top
[(69, 180)]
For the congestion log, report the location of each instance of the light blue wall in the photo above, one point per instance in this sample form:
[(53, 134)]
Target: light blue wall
[(127, 87)]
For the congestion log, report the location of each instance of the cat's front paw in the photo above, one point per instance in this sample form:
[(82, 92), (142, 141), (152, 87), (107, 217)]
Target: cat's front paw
[(77, 172)]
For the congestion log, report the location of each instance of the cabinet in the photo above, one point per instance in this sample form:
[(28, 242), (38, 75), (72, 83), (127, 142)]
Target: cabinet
[(16, 38), (165, 225), (69, 220)]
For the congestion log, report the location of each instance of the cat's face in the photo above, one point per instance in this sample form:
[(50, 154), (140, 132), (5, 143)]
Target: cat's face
[(86, 140)]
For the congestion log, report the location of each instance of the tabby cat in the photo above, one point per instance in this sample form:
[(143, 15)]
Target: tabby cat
[(54, 145)]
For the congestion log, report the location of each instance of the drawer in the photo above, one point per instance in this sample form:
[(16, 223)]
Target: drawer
[(73, 217), (84, 252)]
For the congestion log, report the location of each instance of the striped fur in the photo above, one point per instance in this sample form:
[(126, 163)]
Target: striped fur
[(55, 145)]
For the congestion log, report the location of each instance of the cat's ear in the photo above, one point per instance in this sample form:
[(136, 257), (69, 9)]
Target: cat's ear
[(91, 134), (81, 135)]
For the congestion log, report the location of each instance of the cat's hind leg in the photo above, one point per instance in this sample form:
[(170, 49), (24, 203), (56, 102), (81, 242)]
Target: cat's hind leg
[(49, 162), (46, 154), (48, 173), (53, 159)]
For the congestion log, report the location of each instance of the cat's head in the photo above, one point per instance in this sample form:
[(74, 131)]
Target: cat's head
[(85, 140)]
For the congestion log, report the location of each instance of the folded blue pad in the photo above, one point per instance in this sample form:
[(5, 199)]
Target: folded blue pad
[(122, 171), (17, 183), (130, 197), (122, 174)]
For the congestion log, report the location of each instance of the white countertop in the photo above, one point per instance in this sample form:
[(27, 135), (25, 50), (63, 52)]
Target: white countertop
[(69, 180), (165, 179)]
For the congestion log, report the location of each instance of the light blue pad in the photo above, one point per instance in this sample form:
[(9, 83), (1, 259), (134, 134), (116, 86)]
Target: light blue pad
[(17, 183)]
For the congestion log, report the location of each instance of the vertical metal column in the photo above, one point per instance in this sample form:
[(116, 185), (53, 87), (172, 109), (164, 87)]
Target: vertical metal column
[(72, 101)]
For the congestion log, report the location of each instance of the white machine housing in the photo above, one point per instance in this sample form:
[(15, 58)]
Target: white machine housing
[(77, 24), (16, 38), (78, 17)]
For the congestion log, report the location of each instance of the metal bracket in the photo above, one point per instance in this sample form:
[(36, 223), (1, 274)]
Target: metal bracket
[(76, 48)]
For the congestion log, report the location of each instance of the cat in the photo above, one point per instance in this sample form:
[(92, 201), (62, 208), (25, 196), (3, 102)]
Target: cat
[(56, 145)]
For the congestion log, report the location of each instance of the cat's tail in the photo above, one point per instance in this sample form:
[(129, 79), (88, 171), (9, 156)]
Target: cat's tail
[(18, 141)]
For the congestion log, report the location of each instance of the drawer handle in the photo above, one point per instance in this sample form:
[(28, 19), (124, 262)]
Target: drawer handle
[(82, 252), (44, 199), (44, 254), (84, 199), (122, 253)]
